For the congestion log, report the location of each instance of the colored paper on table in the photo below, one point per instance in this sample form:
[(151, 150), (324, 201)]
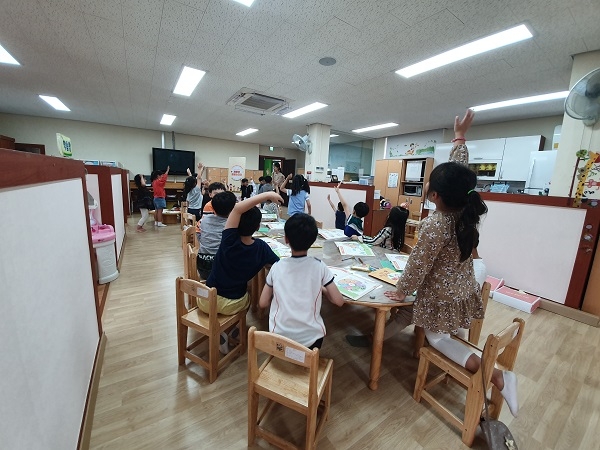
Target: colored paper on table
[(263, 229), (387, 264), (332, 233), (354, 249), (389, 276), (283, 252), (267, 217), (399, 261), (351, 285)]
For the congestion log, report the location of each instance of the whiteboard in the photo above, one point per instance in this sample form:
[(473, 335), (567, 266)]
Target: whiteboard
[(321, 210), (532, 247), (117, 193), (48, 325)]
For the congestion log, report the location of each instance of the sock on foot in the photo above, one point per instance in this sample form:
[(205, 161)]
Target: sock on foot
[(223, 344), (509, 392)]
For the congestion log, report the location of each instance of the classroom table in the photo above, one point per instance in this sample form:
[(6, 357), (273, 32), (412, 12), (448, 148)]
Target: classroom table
[(331, 256)]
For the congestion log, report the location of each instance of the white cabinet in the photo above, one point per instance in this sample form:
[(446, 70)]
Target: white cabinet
[(485, 150), (515, 162), (442, 153)]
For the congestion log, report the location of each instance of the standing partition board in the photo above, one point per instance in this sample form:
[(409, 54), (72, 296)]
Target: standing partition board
[(352, 193), (48, 318), (533, 247), (119, 210)]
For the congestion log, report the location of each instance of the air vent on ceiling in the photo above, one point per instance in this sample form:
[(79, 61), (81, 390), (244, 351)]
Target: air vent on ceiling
[(253, 102)]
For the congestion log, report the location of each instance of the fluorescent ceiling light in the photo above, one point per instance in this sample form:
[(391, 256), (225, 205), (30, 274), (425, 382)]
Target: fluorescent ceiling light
[(167, 119), (521, 101), (188, 80), (510, 36), (375, 127), (245, 2), (333, 135), (246, 132), (55, 103), (7, 58), (305, 110)]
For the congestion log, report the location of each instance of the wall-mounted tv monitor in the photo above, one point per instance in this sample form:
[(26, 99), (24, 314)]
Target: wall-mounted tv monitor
[(178, 160)]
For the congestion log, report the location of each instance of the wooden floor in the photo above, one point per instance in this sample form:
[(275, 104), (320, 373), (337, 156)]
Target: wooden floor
[(146, 401)]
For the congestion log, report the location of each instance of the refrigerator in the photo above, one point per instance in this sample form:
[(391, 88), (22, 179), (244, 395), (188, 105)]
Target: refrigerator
[(541, 168)]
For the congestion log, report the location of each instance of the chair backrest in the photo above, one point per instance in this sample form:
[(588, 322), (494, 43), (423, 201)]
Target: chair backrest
[(190, 264), (285, 349), (319, 224), (485, 294), (188, 236), (503, 348), (194, 289)]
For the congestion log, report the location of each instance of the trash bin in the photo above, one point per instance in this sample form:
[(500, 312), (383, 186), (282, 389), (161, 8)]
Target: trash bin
[(103, 239)]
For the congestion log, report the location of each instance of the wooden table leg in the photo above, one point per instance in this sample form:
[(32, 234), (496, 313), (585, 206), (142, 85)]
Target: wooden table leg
[(377, 348)]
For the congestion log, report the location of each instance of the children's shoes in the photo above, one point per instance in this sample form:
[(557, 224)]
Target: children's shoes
[(223, 343)]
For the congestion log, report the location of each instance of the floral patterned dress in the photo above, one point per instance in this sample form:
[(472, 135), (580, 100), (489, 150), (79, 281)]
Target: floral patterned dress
[(448, 296)]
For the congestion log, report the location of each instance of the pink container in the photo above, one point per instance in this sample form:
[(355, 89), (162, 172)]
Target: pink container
[(103, 233)]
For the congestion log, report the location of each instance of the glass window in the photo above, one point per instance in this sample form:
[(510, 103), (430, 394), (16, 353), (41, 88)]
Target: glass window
[(352, 153)]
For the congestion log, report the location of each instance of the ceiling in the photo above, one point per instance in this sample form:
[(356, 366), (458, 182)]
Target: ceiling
[(117, 62)]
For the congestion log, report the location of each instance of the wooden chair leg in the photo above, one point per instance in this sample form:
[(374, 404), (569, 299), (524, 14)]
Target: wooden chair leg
[(182, 334), (243, 333), (311, 427), (475, 331), (421, 378), (496, 401), (473, 407), (252, 415), (213, 355), (419, 340)]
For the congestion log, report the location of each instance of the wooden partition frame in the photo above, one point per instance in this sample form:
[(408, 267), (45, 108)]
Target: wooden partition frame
[(105, 185), (25, 169)]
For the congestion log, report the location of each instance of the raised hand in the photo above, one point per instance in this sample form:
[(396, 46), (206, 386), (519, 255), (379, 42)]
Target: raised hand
[(274, 197), (461, 126)]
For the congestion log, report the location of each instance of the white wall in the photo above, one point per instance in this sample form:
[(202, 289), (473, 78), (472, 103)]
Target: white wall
[(286, 153), (130, 146)]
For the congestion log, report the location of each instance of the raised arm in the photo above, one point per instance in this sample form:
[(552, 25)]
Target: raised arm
[(459, 152), (240, 208), (345, 205), (308, 206), (199, 177), (331, 203), (168, 168)]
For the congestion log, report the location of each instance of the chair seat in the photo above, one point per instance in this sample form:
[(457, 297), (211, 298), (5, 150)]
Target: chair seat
[(199, 319), (283, 380)]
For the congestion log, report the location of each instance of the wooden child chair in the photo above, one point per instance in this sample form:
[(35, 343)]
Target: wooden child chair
[(188, 219), (183, 211), (190, 269), (188, 236), (500, 351), (210, 326), (293, 376)]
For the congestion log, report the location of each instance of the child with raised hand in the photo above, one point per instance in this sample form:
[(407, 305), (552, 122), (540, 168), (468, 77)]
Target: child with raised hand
[(158, 187), (299, 196), (391, 235), (144, 201), (440, 267), (192, 191), (240, 256), (354, 226), (342, 210), (295, 287)]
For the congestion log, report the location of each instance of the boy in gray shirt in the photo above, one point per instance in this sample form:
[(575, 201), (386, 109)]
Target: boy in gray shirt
[(212, 227)]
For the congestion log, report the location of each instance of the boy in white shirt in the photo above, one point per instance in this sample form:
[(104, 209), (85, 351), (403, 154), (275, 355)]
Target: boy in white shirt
[(295, 287)]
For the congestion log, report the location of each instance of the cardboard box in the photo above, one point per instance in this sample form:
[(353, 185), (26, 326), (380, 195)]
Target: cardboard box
[(517, 299)]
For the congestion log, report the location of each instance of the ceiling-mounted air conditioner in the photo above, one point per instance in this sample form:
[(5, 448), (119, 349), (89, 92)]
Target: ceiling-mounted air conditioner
[(254, 102)]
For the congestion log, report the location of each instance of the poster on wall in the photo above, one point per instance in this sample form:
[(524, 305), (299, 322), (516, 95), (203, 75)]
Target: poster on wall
[(64, 145), (588, 184), (237, 171), (417, 145)]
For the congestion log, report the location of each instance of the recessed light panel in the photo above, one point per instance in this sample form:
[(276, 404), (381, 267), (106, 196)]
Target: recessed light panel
[(245, 2), (167, 119), (333, 135), (7, 58), (247, 132), (305, 110), (522, 101), (188, 80), (375, 127), (55, 103), (494, 41)]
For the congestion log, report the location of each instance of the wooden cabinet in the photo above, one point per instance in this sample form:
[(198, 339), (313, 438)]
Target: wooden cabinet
[(383, 168), (486, 150), (7, 142)]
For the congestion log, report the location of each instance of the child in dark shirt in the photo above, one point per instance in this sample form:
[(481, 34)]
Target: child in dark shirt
[(240, 256), (354, 226)]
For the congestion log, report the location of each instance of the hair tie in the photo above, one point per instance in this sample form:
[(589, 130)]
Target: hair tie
[(472, 190)]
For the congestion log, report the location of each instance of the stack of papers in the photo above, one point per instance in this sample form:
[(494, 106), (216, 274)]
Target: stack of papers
[(399, 261), (280, 249), (354, 249), (351, 285), (332, 233), (267, 217), (275, 225)]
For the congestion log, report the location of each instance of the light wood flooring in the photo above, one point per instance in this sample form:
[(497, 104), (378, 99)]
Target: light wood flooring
[(146, 401)]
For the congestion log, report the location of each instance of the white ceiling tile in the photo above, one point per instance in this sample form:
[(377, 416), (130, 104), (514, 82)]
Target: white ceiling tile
[(109, 9), (412, 13), (180, 22)]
